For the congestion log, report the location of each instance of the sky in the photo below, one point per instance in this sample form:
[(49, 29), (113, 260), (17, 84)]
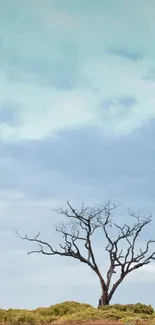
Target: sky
[(77, 123)]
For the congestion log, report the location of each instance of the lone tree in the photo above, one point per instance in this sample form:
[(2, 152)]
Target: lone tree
[(79, 230)]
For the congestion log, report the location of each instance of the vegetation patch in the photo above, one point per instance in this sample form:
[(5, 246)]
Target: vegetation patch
[(71, 312)]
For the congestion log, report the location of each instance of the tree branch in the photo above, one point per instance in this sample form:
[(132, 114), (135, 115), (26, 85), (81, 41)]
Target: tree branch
[(81, 227)]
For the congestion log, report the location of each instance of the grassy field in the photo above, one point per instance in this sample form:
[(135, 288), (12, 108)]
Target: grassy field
[(75, 313)]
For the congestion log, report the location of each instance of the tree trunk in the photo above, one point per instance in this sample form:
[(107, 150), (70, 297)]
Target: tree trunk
[(104, 300)]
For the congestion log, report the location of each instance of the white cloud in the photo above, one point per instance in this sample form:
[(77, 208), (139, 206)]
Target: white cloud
[(115, 79), (55, 19), (45, 111)]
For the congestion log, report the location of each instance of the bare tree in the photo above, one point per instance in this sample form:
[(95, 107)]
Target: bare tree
[(80, 229)]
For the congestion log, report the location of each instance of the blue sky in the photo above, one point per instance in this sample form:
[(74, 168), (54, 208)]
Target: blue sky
[(77, 121)]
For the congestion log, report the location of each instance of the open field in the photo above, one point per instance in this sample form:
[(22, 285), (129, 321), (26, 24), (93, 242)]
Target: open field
[(78, 313)]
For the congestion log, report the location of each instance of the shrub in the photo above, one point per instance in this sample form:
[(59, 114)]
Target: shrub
[(65, 308), (26, 318), (134, 308), (81, 316), (70, 311)]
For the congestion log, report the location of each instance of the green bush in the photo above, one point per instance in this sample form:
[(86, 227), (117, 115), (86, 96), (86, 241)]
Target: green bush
[(112, 314), (131, 309), (135, 308), (65, 308), (26, 318), (81, 316), (68, 308), (20, 317), (3, 314), (50, 319), (70, 311)]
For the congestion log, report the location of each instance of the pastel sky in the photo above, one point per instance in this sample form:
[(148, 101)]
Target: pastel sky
[(77, 122)]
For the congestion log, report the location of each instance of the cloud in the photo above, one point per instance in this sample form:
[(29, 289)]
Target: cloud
[(44, 111), (128, 101), (53, 18), (150, 75), (83, 157), (9, 114), (58, 71), (127, 54), (124, 102), (54, 79)]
